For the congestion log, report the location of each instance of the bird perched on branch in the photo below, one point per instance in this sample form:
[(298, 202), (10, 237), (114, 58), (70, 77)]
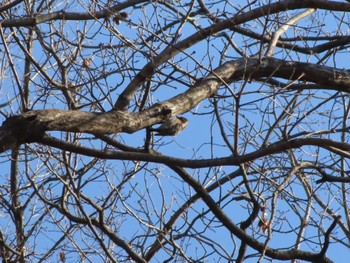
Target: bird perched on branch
[(171, 127)]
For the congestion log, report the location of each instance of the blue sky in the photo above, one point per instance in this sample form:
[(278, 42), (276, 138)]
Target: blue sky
[(157, 185)]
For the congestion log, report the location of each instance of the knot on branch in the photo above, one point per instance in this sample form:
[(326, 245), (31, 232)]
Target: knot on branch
[(166, 110)]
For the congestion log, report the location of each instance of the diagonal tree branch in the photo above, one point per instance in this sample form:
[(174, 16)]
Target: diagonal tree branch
[(233, 228), (175, 49), (33, 124)]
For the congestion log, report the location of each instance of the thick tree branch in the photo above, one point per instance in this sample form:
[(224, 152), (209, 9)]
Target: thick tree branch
[(33, 124), (330, 78)]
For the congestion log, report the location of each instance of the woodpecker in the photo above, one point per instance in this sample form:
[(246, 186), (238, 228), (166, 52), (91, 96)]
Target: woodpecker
[(171, 127)]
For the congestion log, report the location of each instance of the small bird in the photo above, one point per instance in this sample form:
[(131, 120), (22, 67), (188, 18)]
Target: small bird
[(171, 127), (86, 62)]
